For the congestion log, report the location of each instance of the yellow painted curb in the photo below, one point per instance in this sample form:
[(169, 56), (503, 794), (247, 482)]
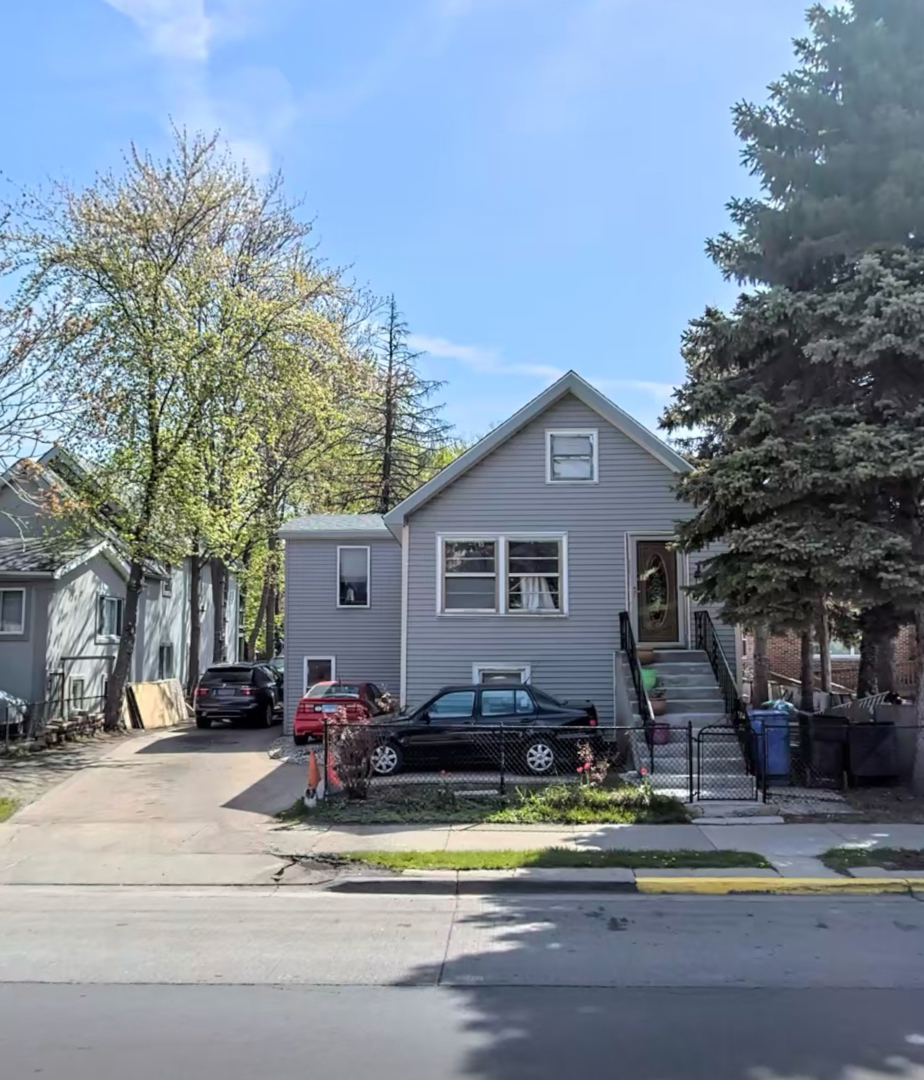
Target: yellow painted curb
[(719, 886)]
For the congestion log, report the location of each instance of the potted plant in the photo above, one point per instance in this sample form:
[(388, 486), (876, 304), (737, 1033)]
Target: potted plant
[(658, 698)]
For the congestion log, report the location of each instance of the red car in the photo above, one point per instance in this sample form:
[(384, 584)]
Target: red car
[(361, 700)]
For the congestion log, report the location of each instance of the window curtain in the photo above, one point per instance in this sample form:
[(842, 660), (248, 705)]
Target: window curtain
[(537, 596)]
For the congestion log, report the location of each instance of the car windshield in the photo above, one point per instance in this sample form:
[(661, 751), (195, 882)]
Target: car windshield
[(333, 690), (229, 675)]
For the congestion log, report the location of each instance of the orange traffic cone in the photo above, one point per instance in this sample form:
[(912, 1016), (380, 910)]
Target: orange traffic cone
[(314, 773)]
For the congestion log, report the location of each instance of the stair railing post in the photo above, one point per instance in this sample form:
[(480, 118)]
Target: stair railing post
[(690, 757)]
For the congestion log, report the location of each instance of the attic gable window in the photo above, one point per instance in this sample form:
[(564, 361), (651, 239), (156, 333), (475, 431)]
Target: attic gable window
[(571, 457)]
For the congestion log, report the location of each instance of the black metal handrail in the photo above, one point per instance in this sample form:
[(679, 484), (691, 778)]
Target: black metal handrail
[(708, 640), (628, 646)]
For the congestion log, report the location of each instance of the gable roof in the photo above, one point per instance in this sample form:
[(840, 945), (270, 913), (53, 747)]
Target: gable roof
[(42, 556), (571, 383)]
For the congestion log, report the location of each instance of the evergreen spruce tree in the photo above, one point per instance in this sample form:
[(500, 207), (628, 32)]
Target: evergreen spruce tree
[(808, 396)]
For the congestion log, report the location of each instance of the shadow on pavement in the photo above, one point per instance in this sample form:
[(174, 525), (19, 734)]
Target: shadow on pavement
[(275, 792), (775, 1029), (221, 739)]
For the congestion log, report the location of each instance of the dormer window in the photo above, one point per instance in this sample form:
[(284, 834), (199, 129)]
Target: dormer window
[(571, 457)]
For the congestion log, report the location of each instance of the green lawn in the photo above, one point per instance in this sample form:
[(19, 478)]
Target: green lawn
[(557, 858), (560, 804), (842, 858), (7, 806)]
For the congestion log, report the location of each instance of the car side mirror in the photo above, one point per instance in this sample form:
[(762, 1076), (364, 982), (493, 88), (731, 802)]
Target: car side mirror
[(425, 718)]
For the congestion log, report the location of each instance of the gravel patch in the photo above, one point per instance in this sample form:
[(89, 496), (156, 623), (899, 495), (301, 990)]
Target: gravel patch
[(283, 748)]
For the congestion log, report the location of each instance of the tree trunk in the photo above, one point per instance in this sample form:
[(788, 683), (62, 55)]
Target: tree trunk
[(219, 605), (254, 635), (195, 620), (112, 715), (269, 642), (761, 686), (918, 780), (867, 682), (824, 648), (807, 670), (885, 663)]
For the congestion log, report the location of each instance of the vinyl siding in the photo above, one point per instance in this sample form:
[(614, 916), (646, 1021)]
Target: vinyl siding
[(22, 656), (570, 656), (366, 642)]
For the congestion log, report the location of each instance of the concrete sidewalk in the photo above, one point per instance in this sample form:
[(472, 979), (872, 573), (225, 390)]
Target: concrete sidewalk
[(792, 849)]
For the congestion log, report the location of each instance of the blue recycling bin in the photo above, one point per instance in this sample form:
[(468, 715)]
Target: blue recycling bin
[(770, 731)]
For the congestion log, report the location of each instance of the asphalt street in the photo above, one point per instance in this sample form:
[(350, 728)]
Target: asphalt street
[(233, 983)]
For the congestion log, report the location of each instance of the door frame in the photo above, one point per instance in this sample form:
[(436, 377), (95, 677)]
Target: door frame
[(683, 578)]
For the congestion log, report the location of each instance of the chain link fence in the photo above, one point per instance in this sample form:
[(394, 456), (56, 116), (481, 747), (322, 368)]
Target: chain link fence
[(714, 763)]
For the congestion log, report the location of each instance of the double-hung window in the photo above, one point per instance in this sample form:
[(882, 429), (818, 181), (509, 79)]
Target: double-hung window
[(534, 576), (571, 457), (12, 611), (165, 669), (469, 575), (109, 618), (504, 575), (353, 577)]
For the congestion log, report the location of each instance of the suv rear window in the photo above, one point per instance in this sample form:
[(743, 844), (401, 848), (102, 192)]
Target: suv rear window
[(333, 690), (228, 675)]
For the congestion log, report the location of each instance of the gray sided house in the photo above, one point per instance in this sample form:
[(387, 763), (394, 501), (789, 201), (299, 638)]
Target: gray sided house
[(61, 604), (513, 562)]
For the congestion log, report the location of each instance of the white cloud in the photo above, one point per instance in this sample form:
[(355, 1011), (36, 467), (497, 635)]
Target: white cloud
[(178, 29), (253, 109), (482, 360), (661, 391)]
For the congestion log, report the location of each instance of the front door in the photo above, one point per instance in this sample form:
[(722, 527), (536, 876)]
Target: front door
[(657, 593)]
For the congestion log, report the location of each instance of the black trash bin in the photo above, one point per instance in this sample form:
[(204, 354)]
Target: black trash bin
[(823, 741), (872, 753)]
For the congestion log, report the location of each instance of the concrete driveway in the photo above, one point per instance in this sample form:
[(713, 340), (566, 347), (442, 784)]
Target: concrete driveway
[(180, 807)]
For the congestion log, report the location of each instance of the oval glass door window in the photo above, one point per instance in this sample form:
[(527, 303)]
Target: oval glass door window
[(657, 600)]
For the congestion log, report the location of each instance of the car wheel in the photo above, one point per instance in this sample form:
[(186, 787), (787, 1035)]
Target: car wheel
[(266, 717), (387, 759), (300, 740), (539, 757), (203, 722)]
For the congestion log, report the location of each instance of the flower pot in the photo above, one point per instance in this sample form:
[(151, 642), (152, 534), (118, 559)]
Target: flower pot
[(645, 656), (658, 706), (661, 734)]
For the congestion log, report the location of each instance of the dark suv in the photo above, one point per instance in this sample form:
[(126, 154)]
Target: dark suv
[(244, 692)]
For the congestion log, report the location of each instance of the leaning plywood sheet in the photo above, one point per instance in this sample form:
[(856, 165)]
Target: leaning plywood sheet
[(159, 704)]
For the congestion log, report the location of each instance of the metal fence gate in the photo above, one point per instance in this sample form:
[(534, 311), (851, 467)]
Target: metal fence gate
[(724, 771)]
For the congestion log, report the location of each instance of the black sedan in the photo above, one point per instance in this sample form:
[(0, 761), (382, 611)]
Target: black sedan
[(523, 727), (246, 692)]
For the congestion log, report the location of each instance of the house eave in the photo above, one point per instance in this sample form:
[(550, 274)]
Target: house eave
[(571, 383)]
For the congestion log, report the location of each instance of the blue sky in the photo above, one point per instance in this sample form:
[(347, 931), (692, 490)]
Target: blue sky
[(534, 179)]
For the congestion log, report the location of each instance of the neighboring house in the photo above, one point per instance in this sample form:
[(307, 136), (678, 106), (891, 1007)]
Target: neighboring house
[(515, 561), (62, 603), (784, 652)]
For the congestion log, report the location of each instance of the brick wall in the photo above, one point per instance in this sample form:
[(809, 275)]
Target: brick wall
[(784, 651)]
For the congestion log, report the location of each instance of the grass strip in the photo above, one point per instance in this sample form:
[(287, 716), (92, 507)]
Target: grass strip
[(842, 859), (557, 858), (7, 807)]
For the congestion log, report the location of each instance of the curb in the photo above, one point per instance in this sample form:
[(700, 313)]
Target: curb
[(470, 882)]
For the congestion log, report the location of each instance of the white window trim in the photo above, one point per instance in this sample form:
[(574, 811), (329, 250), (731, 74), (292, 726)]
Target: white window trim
[(594, 434), (332, 660), (441, 542), (22, 624), (525, 670), (502, 540), (109, 638), (368, 551)]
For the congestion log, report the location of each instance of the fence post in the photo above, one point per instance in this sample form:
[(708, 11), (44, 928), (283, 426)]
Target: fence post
[(690, 757), (325, 745), (502, 764)]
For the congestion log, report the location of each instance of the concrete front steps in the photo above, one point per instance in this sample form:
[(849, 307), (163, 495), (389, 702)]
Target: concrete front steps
[(693, 699)]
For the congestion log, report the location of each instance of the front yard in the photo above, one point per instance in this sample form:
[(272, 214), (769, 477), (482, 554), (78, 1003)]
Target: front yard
[(557, 858), (559, 804)]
